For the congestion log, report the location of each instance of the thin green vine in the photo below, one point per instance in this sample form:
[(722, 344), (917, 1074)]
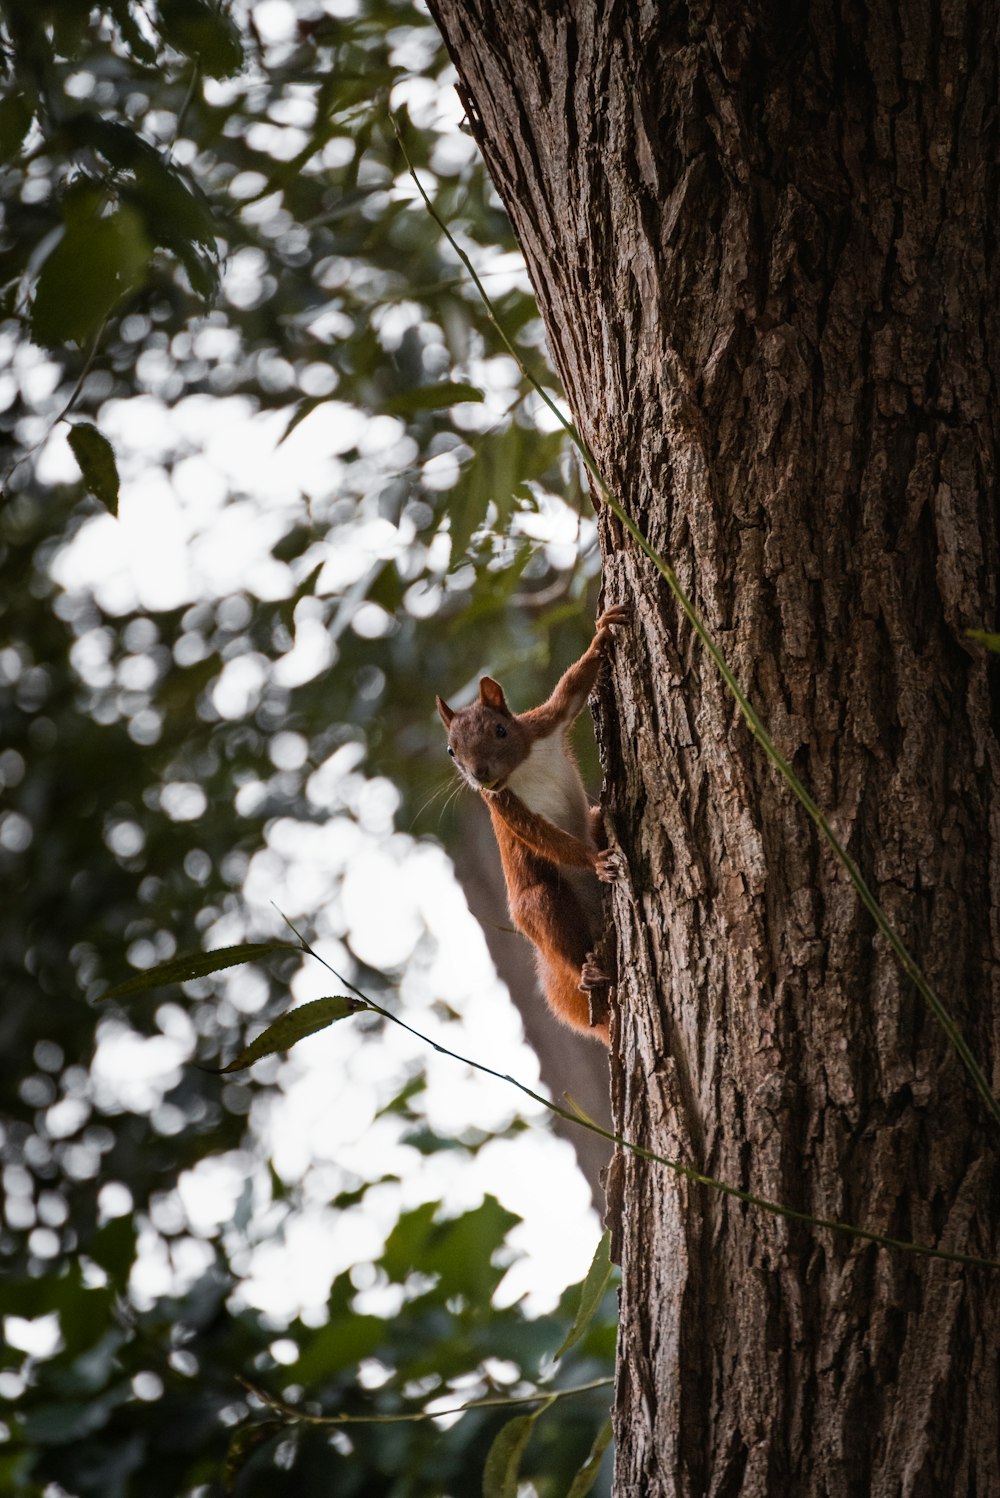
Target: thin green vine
[(407, 1417), (686, 1172)]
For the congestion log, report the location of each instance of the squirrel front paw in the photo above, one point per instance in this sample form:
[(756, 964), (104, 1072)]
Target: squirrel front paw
[(619, 613), (610, 866)]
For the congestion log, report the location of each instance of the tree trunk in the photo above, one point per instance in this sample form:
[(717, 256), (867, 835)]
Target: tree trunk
[(764, 242)]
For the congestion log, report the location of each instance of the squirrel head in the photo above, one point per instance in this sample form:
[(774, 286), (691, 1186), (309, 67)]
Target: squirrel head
[(485, 740)]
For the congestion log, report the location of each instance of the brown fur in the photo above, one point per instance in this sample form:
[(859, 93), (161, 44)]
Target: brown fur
[(555, 908)]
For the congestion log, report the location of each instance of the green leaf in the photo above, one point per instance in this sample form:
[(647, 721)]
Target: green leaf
[(15, 1471), (69, 26), (307, 586), (69, 1420), (505, 461), (467, 511), (503, 1462), (173, 210), (305, 589), (303, 408), (342, 1343), (587, 1475), (295, 1026), (204, 33), (196, 965), (591, 1293), (131, 33), (387, 588), (15, 121), (459, 1250), (992, 642), (432, 398), (96, 458), (100, 258), (113, 1248), (426, 1142), (400, 1104), (86, 1317), (244, 1441), (407, 1242), (344, 88)]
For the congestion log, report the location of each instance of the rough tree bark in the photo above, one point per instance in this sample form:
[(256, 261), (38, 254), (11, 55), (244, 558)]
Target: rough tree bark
[(764, 241)]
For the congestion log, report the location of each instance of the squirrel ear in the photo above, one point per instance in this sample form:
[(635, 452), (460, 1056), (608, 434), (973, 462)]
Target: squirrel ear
[(491, 695), (447, 713)]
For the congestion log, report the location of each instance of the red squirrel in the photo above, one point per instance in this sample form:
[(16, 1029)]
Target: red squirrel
[(551, 838)]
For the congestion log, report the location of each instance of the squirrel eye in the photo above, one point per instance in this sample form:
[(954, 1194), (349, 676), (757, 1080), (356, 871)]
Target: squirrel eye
[(451, 751), (501, 731)]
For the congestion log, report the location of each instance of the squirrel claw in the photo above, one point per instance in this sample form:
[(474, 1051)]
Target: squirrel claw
[(619, 613), (610, 866), (592, 976)]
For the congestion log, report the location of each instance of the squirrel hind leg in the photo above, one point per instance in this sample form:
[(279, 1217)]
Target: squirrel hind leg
[(553, 919), (567, 1000)]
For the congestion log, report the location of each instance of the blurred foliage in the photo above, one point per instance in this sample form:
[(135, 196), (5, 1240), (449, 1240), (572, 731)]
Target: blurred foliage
[(203, 205), (146, 1400)]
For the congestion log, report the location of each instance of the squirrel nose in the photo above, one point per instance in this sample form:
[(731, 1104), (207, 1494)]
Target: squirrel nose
[(483, 773)]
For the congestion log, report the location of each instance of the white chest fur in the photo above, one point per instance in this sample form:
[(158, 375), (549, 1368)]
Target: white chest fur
[(548, 782)]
